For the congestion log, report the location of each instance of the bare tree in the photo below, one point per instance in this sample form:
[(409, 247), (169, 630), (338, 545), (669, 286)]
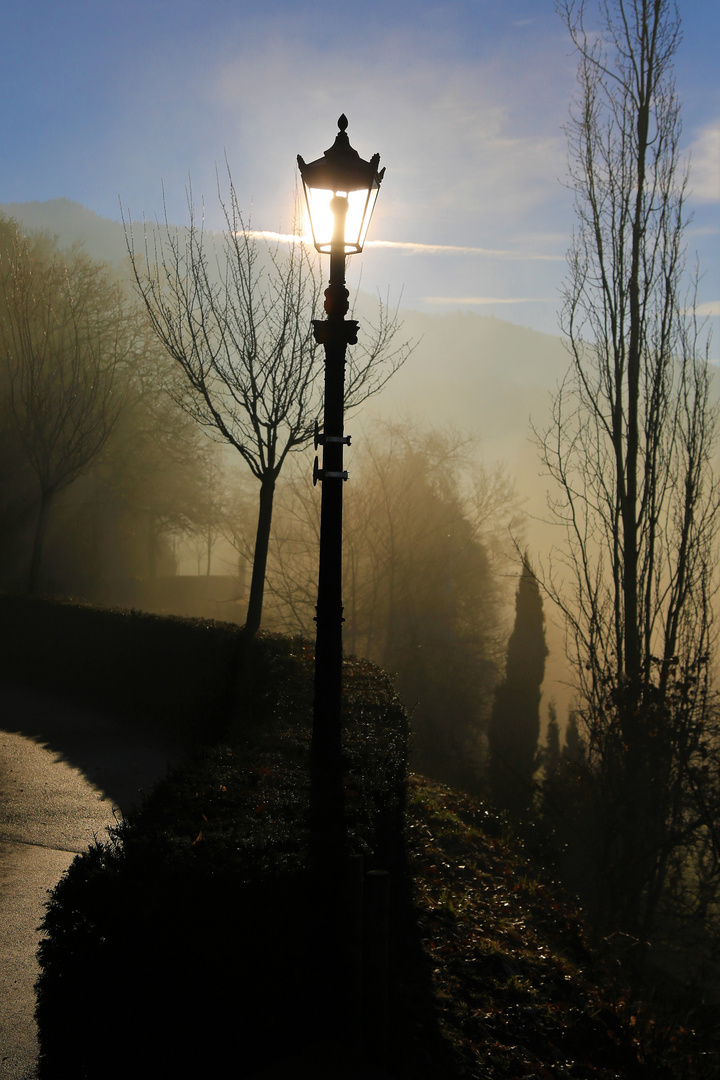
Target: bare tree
[(237, 319), (630, 446), (64, 330)]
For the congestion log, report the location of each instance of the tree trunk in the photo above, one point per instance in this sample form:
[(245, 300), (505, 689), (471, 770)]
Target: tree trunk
[(38, 543), (262, 543), (637, 770)]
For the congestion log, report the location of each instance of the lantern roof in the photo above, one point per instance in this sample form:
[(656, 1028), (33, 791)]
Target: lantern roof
[(341, 168)]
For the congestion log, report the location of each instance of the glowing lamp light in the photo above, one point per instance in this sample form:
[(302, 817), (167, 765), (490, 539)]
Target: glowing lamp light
[(340, 191)]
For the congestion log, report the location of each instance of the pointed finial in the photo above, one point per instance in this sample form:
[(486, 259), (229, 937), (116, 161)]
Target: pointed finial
[(343, 122)]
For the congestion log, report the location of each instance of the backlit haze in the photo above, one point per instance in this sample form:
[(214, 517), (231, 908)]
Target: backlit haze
[(465, 102)]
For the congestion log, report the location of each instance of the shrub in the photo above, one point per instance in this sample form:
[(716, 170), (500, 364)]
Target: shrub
[(176, 675), (186, 944)]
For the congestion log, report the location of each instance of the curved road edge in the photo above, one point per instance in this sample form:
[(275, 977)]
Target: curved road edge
[(66, 774)]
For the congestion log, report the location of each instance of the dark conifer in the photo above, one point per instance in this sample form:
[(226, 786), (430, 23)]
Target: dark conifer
[(573, 751), (515, 720), (552, 744)]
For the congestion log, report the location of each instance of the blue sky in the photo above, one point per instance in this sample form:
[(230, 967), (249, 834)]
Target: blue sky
[(465, 102)]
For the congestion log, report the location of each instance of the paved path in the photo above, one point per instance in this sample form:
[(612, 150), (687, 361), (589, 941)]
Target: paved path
[(65, 775)]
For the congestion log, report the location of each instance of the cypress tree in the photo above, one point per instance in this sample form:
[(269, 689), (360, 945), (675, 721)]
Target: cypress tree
[(573, 751), (515, 719), (552, 744)]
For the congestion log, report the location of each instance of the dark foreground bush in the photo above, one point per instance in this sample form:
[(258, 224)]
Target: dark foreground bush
[(187, 944)]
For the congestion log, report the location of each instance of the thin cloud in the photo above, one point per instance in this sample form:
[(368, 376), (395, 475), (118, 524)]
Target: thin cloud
[(455, 249), (490, 299), (705, 164), (279, 237), (422, 249), (712, 307)]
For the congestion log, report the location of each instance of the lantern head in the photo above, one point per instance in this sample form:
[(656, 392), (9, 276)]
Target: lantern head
[(340, 191)]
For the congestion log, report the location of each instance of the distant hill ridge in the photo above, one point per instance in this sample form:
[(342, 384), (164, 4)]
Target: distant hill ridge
[(70, 222), (476, 372)]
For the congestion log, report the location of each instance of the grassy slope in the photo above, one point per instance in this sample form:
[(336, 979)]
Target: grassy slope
[(521, 987)]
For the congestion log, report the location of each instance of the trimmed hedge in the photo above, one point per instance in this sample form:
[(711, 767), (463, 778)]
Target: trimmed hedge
[(177, 675), (186, 945)]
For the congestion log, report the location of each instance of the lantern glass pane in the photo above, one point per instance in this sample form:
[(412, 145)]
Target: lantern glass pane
[(360, 207), (369, 198), (320, 214)]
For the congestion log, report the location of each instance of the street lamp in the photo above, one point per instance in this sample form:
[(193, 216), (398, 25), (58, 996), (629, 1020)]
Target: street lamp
[(340, 190)]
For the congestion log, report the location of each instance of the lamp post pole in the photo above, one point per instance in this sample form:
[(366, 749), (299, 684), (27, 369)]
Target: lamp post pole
[(340, 189), (335, 334)]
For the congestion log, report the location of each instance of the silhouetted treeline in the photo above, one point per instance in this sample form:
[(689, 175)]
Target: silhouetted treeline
[(98, 467)]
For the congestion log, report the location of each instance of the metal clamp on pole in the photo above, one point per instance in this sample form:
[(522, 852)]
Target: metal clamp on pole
[(324, 474), (322, 440)]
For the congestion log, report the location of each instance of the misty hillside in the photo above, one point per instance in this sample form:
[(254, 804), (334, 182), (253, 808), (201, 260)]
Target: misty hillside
[(72, 223), (480, 374)]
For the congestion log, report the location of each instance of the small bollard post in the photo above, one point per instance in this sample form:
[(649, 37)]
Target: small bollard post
[(376, 964), (352, 950)]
